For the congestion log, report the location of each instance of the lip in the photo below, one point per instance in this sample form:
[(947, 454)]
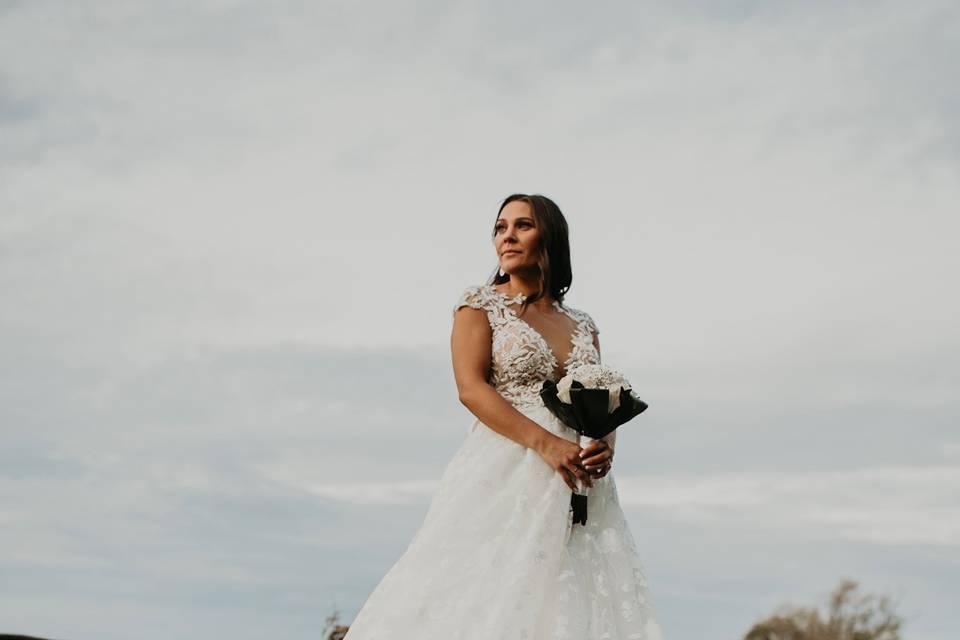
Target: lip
[(510, 251)]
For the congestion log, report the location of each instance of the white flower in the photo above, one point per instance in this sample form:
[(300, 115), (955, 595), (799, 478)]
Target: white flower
[(594, 376)]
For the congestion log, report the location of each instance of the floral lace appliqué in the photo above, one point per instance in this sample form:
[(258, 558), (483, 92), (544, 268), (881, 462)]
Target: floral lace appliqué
[(521, 358)]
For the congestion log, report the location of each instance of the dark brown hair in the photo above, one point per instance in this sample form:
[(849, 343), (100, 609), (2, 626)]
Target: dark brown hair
[(554, 248)]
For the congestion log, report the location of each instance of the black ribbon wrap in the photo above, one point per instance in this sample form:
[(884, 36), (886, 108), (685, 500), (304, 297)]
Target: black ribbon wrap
[(587, 415), (578, 504)]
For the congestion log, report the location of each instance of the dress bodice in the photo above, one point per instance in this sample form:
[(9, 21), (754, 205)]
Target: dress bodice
[(521, 359)]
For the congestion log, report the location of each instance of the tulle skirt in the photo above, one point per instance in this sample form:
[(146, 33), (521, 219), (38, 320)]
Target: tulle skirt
[(497, 558)]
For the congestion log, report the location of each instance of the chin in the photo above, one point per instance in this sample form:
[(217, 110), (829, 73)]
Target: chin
[(512, 265)]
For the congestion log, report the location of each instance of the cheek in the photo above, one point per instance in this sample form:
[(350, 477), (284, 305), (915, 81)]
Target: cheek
[(531, 239)]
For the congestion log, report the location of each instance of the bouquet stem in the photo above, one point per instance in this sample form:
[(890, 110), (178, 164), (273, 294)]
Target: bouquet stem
[(578, 499)]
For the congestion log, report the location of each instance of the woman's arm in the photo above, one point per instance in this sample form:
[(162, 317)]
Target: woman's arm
[(470, 350)]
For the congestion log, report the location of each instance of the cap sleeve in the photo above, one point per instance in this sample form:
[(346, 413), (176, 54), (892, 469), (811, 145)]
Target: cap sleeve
[(471, 297), (591, 324)]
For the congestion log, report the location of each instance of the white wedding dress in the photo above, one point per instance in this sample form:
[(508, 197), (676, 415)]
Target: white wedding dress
[(496, 557)]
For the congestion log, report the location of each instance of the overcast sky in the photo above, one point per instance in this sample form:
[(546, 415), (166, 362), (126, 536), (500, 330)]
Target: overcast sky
[(226, 225)]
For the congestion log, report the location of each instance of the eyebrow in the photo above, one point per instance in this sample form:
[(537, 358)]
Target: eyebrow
[(520, 219)]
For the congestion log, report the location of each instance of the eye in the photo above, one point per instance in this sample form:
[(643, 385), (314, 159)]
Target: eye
[(500, 227)]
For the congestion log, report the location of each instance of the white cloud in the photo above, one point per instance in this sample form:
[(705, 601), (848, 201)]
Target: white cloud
[(376, 493), (887, 506), (219, 220), (884, 506)]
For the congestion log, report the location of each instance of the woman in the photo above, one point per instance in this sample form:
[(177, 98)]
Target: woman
[(497, 556)]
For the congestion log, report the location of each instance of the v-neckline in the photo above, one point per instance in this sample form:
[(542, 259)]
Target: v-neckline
[(572, 339)]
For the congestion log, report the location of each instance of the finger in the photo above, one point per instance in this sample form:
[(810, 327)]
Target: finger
[(598, 459), (583, 476), (592, 447), (574, 472), (580, 472), (569, 479)]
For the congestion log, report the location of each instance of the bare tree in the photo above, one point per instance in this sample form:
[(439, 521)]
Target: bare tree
[(849, 616), (332, 629)]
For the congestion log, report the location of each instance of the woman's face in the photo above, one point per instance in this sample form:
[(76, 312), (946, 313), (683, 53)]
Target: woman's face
[(516, 238)]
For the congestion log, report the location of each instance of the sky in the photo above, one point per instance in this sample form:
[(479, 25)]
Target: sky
[(226, 225)]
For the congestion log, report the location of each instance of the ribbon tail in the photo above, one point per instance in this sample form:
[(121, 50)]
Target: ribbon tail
[(579, 505)]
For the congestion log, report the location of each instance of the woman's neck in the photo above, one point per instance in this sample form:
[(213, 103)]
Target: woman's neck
[(518, 285)]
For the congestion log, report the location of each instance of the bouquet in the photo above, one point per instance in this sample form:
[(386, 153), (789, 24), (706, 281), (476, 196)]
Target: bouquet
[(592, 399)]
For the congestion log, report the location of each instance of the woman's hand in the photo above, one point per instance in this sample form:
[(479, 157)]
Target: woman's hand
[(597, 458), (564, 456)]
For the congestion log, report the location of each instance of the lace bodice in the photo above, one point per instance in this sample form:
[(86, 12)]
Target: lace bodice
[(521, 359)]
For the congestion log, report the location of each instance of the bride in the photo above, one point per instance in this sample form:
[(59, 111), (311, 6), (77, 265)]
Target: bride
[(496, 556)]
